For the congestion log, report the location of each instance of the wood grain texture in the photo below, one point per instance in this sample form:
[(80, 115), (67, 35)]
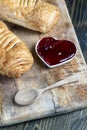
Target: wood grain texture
[(72, 121)]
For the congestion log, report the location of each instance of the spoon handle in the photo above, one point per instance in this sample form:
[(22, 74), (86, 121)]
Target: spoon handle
[(67, 80)]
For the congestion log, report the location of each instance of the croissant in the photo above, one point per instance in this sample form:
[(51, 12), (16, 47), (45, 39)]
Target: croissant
[(15, 57), (37, 15)]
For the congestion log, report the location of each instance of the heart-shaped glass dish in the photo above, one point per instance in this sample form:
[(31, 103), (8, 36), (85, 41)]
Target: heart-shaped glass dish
[(55, 52)]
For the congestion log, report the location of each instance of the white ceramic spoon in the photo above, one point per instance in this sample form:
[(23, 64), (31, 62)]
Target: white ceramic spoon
[(27, 96)]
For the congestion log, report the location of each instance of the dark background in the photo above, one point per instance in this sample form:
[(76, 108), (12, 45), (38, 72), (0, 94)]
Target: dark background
[(78, 13), (75, 120)]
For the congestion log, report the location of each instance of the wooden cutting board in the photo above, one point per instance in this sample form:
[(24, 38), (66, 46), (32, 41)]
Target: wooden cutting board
[(57, 101)]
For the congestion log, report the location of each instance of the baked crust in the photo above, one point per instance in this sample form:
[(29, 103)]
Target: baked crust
[(33, 14), (15, 57)]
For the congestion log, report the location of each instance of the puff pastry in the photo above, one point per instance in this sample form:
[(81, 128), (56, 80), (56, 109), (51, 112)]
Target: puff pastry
[(33, 14), (15, 57)]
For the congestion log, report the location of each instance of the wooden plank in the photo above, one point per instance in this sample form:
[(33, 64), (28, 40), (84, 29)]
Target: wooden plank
[(74, 96)]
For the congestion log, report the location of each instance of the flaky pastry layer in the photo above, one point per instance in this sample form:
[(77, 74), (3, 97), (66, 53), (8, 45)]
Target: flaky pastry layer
[(15, 57), (33, 14)]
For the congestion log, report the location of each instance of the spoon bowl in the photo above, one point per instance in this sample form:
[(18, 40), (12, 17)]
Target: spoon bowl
[(26, 96)]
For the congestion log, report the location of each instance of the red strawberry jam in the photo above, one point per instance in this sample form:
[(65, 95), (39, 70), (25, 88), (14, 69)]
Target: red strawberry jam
[(55, 52)]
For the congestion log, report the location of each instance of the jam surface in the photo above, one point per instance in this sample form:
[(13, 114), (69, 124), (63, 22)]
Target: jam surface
[(55, 51)]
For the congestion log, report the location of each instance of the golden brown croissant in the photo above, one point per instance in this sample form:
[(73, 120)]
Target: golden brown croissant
[(15, 57), (33, 14)]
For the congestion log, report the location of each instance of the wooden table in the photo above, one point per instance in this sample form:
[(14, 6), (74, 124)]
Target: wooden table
[(75, 120)]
